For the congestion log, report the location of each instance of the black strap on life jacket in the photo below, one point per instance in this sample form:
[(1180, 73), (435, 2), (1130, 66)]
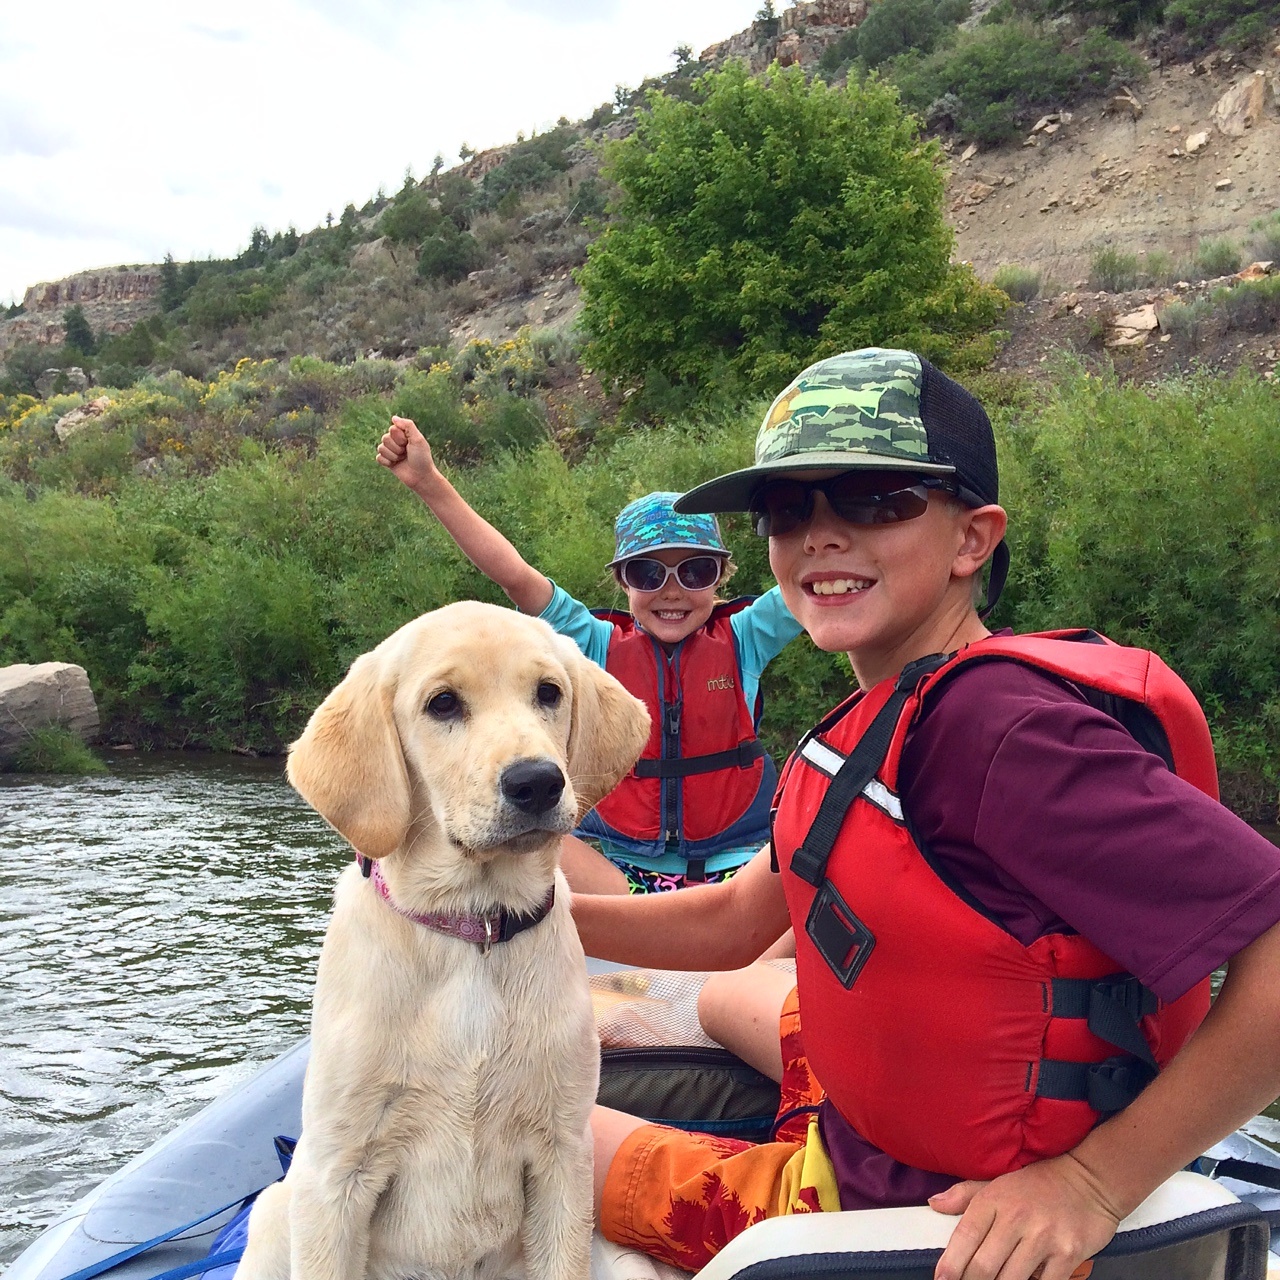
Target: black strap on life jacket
[(743, 756), (1113, 1007), (810, 860)]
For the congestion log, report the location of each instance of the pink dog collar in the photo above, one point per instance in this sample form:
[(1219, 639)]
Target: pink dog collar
[(480, 930)]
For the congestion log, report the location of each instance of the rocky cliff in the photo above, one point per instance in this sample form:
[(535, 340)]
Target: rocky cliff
[(113, 301), (802, 33)]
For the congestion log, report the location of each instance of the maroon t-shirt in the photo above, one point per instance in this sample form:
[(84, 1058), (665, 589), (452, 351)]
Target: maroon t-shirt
[(1051, 816)]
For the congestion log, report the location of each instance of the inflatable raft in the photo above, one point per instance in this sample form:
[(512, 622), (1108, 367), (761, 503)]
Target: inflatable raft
[(178, 1208)]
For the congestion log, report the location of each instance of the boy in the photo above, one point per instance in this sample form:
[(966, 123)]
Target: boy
[(1009, 846)]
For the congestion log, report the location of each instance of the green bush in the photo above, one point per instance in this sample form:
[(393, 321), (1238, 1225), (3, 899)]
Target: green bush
[(56, 750), (1004, 74), (1159, 267), (411, 218), (1251, 305), (1150, 514), (891, 27), (529, 165), (1113, 270), (771, 223), (1201, 22), (449, 256), (1217, 258), (1266, 233), (1186, 320), (1020, 283)]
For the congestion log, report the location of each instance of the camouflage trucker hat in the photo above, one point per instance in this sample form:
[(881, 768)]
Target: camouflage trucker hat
[(651, 524), (868, 409)]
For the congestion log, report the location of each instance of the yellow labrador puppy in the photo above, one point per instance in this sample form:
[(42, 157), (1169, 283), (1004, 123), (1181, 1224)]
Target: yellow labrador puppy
[(454, 1054)]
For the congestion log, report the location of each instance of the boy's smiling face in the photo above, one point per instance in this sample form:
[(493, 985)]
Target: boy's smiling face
[(886, 594), (673, 612)]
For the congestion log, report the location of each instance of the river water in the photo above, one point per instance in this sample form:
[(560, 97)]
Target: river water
[(159, 928)]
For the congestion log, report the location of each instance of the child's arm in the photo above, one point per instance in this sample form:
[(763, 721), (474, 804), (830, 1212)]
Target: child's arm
[(715, 926), (1061, 1211), (404, 451)]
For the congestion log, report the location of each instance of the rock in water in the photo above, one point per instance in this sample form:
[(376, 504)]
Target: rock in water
[(40, 695)]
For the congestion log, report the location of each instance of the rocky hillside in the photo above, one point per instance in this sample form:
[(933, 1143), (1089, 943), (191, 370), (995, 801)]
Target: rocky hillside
[(1186, 156), (113, 302), (1194, 154)]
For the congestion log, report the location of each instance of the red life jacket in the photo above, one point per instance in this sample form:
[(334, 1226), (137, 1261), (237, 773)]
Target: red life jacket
[(703, 782), (937, 1035)]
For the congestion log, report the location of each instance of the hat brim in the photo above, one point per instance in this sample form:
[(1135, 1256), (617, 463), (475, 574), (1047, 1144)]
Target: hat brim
[(670, 546), (734, 491)]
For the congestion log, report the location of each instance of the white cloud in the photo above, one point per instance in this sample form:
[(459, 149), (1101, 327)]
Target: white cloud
[(145, 127)]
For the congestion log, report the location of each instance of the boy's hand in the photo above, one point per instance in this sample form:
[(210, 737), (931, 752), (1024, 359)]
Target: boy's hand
[(404, 451), (1043, 1220)]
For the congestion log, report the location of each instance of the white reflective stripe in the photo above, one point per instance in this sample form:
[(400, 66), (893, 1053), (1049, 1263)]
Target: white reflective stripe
[(828, 761), (822, 757), (883, 799)]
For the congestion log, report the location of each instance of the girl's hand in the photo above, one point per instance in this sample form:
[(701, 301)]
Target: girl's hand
[(404, 451)]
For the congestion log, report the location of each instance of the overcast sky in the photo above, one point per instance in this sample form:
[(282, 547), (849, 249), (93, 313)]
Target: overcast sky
[(140, 127)]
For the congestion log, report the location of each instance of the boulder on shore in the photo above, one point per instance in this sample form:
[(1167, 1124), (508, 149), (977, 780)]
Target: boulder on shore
[(40, 695)]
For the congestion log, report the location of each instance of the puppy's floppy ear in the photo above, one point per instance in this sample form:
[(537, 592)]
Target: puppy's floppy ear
[(608, 732), (348, 765)]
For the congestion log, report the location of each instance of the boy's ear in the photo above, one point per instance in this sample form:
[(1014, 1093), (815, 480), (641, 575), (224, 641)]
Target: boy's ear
[(608, 731), (348, 765), (984, 527)]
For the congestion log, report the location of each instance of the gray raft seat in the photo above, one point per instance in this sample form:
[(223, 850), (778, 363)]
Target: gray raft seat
[(1191, 1228)]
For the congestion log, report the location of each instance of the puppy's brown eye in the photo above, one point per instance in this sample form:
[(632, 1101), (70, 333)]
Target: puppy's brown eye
[(444, 706), (549, 695)]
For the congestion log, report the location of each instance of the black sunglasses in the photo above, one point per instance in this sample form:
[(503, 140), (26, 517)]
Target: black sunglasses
[(697, 573), (780, 506)]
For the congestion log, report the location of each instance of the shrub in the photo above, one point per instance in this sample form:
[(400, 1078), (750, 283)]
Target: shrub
[(1020, 283), (771, 223), (449, 256), (1186, 320), (1252, 305), (529, 165), (56, 750), (1004, 74), (1159, 267), (894, 26), (1201, 21), (411, 218), (1217, 258), (1099, 489), (1113, 270), (1266, 233)]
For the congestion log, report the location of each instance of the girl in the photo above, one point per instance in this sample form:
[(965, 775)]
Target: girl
[(696, 806)]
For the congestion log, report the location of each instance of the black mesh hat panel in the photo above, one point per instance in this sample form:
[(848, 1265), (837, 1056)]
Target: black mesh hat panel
[(959, 433)]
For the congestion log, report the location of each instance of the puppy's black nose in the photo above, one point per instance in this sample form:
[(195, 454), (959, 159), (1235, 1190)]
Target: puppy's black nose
[(533, 786)]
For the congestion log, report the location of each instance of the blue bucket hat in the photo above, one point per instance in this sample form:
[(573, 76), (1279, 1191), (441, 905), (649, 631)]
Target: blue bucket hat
[(652, 524)]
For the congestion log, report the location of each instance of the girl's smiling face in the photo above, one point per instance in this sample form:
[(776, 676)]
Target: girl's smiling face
[(673, 612)]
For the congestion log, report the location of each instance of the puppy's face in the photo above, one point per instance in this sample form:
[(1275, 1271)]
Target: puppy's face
[(484, 715), (472, 721)]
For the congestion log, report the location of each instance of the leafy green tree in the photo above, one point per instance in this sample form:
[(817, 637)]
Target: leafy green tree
[(769, 224), (79, 335)]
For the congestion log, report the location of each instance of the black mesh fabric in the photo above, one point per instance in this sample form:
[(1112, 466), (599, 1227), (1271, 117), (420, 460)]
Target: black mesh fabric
[(959, 433)]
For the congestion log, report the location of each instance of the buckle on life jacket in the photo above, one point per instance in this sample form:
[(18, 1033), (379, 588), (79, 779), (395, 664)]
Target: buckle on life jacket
[(1107, 1086), (841, 939)]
